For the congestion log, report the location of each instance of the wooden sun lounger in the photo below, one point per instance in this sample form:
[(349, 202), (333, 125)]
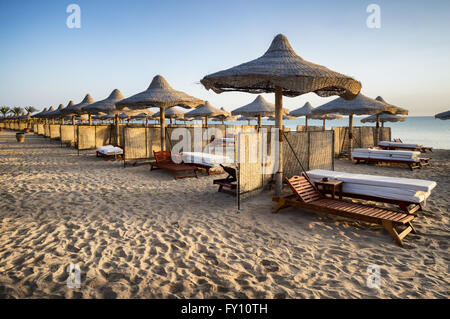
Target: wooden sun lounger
[(164, 161), (111, 157), (306, 195), (419, 163), (227, 185), (407, 207), (422, 149)]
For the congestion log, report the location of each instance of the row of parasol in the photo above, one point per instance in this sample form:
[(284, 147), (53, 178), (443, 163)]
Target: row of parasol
[(279, 70)]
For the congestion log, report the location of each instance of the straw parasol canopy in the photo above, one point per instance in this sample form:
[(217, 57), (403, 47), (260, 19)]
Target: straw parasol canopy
[(107, 105), (326, 117), (226, 116), (305, 111), (285, 117), (398, 110), (383, 117), (159, 94), (206, 110), (258, 108), (172, 114), (443, 115), (247, 118), (76, 109), (49, 111), (39, 115), (282, 71), (55, 113), (361, 105)]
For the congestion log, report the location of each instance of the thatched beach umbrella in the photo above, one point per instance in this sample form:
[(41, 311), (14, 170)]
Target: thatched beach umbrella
[(173, 114), (305, 111), (226, 116), (247, 118), (326, 117), (206, 110), (143, 116), (259, 108), (281, 71), (56, 113), (285, 118), (160, 94), (383, 117), (107, 105), (398, 110), (443, 115), (45, 116), (77, 108), (41, 113), (361, 105)]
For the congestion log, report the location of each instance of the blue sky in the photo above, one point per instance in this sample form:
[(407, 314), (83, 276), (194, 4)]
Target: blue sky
[(123, 44)]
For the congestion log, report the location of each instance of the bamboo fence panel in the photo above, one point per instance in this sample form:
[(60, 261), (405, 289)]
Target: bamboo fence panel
[(22, 126)]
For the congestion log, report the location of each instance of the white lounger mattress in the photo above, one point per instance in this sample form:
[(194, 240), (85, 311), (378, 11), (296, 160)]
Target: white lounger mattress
[(398, 144), (405, 189), (391, 153), (211, 160), (110, 150)]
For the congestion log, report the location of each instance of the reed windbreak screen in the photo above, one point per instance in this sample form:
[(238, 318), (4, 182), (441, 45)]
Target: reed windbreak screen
[(47, 130), (363, 137), (55, 131), (137, 143), (257, 161), (103, 135), (68, 134), (40, 129), (86, 137)]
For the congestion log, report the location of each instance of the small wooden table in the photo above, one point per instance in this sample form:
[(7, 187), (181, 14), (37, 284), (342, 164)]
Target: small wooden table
[(332, 185)]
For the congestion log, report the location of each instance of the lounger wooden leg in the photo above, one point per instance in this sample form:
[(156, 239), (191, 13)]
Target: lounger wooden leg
[(391, 230), (413, 230), (281, 204)]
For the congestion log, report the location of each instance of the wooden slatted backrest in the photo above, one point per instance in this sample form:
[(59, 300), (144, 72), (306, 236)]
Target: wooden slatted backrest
[(162, 156), (304, 189)]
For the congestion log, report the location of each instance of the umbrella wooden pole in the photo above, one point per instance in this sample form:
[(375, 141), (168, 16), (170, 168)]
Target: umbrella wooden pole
[(73, 119), (323, 129), (259, 122), (382, 124), (116, 124), (306, 123), (90, 120), (377, 130), (279, 125), (162, 120), (206, 121), (350, 136), (62, 120), (146, 121)]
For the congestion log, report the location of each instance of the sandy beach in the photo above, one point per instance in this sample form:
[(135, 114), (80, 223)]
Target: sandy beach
[(137, 233)]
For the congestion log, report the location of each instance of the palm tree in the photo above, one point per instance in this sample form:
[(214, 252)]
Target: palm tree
[(4, 110), (17, 111), (30, 109)]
